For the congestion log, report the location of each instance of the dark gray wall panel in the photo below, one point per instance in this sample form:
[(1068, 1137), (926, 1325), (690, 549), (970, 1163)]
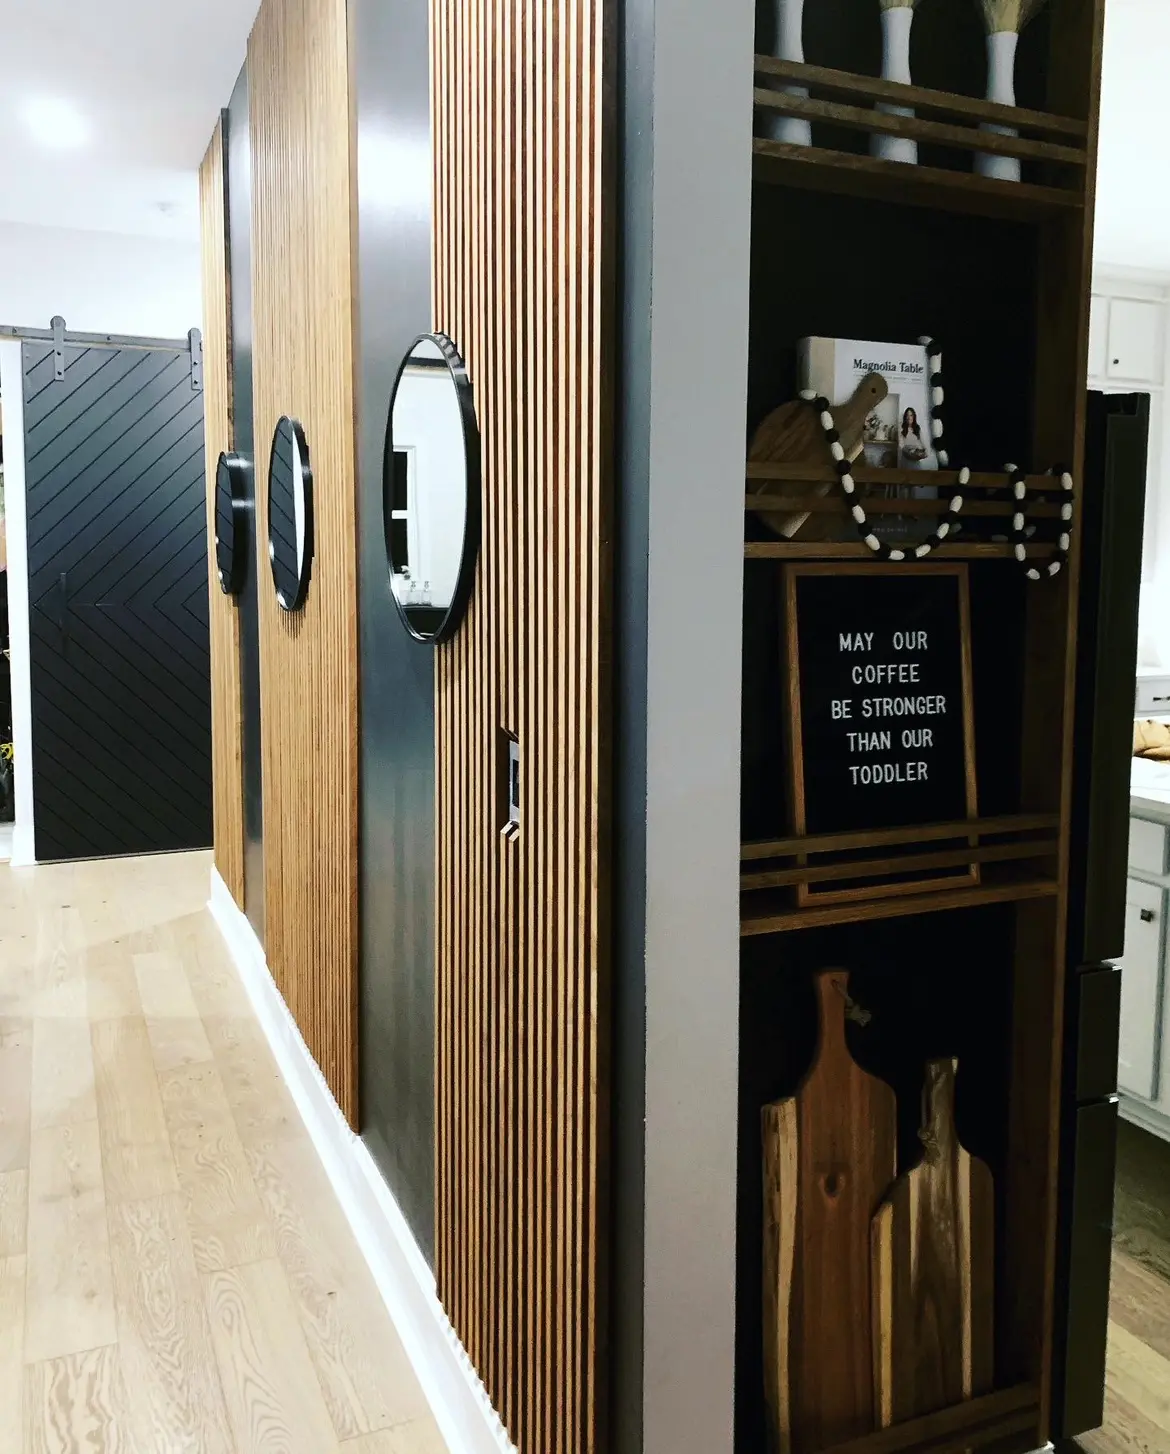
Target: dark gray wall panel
[(239, 185), (391, 69)]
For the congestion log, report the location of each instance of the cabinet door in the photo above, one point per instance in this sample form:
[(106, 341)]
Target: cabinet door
[(1099, 337), (1141, 991), (1136, 340)]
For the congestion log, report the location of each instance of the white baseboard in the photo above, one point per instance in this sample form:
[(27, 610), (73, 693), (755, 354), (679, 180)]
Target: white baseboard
[(459, 1400), (1139, 1113), (23, 854), (6, 833)]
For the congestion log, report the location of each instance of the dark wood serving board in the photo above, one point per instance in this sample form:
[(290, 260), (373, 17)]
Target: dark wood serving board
[(933, 1271), (829, 1160)]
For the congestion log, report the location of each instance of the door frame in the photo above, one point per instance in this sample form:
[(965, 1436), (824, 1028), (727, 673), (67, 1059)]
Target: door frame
[(12, 341)]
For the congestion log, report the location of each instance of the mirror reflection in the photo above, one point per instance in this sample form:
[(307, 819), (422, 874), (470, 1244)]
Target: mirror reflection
[(290, 514), (431, 489), (231, 522)]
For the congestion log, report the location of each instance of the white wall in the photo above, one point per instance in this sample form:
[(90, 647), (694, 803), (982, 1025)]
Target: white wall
[(12, 407), (99, 282)]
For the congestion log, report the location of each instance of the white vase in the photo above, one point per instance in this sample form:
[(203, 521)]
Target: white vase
[(789, 47), (896, 23), (1001, 86)]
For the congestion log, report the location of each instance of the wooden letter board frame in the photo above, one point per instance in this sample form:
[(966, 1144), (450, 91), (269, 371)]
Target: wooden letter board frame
[(813, 894)]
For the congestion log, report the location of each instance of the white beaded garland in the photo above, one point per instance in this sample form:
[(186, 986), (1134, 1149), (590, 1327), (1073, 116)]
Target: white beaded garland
[(1017, 478)]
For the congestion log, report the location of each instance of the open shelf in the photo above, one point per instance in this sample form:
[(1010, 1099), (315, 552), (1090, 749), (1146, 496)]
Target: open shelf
[(771, 912), (858, 550), (1058, 144)]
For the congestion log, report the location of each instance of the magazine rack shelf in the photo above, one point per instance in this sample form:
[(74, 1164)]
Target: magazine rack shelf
[(1051, 146), (987, 504), (1015, 854)]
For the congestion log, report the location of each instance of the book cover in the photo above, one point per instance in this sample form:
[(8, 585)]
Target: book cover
[(897, 432)]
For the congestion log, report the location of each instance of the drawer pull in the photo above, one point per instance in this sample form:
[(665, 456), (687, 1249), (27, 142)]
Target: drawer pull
[(1148, 916)]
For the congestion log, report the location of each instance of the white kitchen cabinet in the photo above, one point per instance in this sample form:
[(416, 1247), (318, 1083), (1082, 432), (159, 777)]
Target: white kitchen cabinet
[(1098, 336), (1136, 341), (1141, 990)]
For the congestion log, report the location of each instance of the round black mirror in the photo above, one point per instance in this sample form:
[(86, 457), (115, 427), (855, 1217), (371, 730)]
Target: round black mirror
[(290, 514), (430, 489), (231, 522)]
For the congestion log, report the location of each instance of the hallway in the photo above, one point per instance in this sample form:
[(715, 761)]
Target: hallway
[(175, 1272)]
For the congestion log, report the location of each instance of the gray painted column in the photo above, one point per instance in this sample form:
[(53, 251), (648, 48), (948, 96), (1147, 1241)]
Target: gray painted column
[(687, 126)]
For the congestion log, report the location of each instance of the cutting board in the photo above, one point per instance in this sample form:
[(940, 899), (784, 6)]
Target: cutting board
[(933, 1271), (829, 1160), (792, 434)]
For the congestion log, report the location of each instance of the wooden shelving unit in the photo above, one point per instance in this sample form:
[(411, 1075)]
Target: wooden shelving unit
[(851, 245)]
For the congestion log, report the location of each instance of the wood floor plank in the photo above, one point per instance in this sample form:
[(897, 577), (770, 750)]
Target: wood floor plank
[(1140, 1376), (111, 984), (273, 1397), (176, 1032), (70, 1298), (1139, 1302), (164, 1337), (214, 980), (136, 1150), (260, 1100), (1126, 1431), (227, 1222), (16, 1043), (13, 1212), (365, 1375), (61, 964), (12, 1306), (78, 1405), (420, 1436), (62, 1073)]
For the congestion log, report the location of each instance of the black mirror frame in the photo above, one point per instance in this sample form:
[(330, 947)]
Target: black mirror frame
[(306, 572), (232, 471), (472, 457)]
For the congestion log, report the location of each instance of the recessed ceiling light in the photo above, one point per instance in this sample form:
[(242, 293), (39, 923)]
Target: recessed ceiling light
[(55, 123)]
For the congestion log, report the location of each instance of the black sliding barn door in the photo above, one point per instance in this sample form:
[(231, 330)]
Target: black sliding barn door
[(114, 474)]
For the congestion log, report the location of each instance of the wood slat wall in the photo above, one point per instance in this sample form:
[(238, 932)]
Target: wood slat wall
[(522, 282), (226, 706), (303, 366)]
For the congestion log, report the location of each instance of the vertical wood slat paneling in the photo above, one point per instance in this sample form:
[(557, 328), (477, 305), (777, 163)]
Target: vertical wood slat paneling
[(226, 706), (303, 367), (522, 282)]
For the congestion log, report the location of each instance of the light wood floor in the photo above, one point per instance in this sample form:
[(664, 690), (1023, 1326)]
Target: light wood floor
[(175, 1273), (1137, 1383)]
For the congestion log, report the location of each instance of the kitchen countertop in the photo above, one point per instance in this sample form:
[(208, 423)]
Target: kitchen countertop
[(1149, 790)]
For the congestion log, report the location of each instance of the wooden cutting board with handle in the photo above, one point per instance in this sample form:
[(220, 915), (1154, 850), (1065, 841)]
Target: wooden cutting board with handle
[(933, 1271), (792, 434), (829, 1160)]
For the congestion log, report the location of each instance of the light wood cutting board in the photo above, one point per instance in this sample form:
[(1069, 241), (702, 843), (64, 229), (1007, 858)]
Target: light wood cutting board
[(829, 1160), (792, 434), (933, 1271)]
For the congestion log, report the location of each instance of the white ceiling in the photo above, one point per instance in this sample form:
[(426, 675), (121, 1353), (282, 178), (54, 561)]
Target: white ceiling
[(149, 77)]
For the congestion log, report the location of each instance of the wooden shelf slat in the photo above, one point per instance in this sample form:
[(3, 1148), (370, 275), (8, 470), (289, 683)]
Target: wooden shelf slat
[(894, 837), (759, 471), (964, 138), (760, 921), (835, 505), (921, 98), (858, 550), (856, 174), (882, 867)]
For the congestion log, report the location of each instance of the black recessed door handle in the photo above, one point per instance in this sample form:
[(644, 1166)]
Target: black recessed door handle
[(1148, 916)]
